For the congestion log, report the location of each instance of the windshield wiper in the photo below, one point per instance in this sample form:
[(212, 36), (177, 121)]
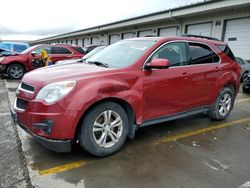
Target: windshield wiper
[(98, 63)]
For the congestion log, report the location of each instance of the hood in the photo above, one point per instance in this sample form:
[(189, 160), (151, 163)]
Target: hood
[(56, 73), (68, 61)]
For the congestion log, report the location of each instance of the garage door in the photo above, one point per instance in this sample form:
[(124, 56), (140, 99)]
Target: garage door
[(85, 41), (166, 32), (94, 40), (237, 35), (127, 35), (114, 38), (79, 42), (144, 33), (204, 29)]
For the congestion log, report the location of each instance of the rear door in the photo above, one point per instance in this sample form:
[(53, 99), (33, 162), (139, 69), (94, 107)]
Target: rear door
[(204, 70)]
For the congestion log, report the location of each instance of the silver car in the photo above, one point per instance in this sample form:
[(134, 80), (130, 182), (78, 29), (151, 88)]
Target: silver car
[(245, 68)]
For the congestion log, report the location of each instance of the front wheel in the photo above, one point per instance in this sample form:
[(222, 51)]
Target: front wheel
[(15, 71), (104, 129), (223, 104)]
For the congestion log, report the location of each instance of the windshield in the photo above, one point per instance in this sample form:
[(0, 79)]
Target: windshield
[(28, 49), (122, 54), (5, 46), (97, 49)]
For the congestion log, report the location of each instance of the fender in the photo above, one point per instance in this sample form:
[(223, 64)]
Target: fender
[(127, 89), (227, 78)]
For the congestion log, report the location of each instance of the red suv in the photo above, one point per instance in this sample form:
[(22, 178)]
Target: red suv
[(17, 64), (129, 84)]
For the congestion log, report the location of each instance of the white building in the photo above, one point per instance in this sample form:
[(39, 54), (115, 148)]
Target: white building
[(227, 20)]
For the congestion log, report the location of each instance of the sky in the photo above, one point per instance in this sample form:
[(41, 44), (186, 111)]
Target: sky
[(32, 19)]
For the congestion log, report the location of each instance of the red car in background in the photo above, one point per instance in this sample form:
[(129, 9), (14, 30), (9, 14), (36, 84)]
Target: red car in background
[(16, 65)]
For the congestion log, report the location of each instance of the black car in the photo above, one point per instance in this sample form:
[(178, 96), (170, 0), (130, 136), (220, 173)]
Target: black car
[(246, 84)]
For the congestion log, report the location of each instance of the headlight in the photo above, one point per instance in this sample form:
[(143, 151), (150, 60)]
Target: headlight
[(1, 58), (55, 91)]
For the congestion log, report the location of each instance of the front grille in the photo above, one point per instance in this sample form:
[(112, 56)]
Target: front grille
[(27, 87), (21, 104)]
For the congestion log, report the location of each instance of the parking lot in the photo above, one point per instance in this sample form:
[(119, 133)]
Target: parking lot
[(190, 152)]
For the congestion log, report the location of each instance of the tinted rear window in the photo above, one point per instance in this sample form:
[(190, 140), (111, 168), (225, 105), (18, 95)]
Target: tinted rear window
[(60, 50), (227, 51), (79, 49), (202, 54)]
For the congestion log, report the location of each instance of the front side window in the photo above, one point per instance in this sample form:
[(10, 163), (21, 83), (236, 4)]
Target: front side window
[(47, 49), (60, 50), (201, 54), (174, 52)]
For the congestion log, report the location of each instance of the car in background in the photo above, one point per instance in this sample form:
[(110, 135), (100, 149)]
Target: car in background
[(14, 46), (245, 68), (69, 61), (89, 48), (129, 84), (15, 66), (4, 52), (246, 84)]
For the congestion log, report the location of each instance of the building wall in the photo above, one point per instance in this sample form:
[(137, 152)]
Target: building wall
[(180, 20)]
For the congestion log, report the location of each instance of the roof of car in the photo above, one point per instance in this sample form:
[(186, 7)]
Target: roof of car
[(194, 39)]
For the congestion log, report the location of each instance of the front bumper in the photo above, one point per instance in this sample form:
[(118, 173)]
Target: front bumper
[(61, 146)]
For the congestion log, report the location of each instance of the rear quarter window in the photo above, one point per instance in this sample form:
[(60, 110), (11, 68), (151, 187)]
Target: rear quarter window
[(19, 47), (227, 51), (79, 49)]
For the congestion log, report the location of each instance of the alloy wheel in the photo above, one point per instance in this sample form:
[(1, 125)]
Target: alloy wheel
[(107, 128)]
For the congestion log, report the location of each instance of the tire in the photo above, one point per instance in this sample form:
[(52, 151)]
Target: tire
[(15, 71), (97, 136), (244, 90), (223, 104), (244, 77)]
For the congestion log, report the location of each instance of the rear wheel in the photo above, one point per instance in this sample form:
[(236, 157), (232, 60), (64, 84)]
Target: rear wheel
[(104, 129), (15, 71), (244, 77), (223, 105)]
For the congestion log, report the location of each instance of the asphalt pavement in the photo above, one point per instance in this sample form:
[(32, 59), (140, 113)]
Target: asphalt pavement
[(13, 170), (192, 152)]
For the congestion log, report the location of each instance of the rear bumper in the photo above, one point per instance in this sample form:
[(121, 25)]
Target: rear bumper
[(61, 146)]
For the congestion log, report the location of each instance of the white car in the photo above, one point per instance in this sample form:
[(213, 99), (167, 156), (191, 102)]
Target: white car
[(69, 61)]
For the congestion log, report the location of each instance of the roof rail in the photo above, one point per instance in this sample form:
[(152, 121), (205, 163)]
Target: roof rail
[(200, 36)]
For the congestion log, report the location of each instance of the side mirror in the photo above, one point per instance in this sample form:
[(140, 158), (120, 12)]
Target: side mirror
[(158, 64), (33, 53)]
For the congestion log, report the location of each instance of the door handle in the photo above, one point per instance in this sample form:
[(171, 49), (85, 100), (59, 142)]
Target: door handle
[(216, 69)]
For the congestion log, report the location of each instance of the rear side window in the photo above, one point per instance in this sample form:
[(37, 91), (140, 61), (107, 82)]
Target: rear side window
[(60, 50), (201, 54), (79, 49), (19, 47), (227, 51)]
